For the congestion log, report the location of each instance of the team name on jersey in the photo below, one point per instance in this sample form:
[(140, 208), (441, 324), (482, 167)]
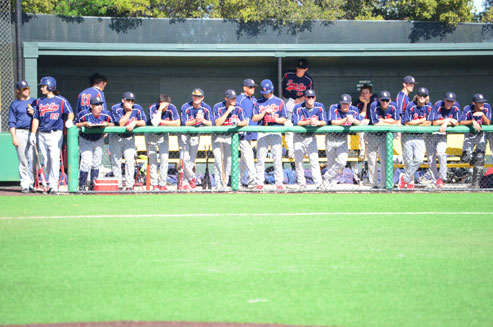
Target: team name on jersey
[(274, 108), (50, 107), (292, 86)]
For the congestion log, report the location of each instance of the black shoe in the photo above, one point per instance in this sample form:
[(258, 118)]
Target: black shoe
[(25, 190), (31, 189), (52, 191)]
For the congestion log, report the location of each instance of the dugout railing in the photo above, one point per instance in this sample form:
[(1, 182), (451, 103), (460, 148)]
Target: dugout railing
[(389, 131)]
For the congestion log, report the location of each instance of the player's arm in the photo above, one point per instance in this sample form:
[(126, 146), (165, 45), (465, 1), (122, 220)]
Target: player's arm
[(35, 125), (283, 114), (220, 120)]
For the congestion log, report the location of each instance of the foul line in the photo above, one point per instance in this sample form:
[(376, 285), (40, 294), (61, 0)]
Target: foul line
[(250, 214)]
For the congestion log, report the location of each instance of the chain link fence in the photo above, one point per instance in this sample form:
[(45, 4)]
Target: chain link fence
[(6, 64)]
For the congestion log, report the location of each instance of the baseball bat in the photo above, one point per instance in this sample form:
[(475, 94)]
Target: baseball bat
[(40, 170), (223, 171), (148, 171), (180, 170), (206, 183)]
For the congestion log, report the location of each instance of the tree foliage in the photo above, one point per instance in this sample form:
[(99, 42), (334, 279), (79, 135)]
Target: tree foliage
[(446, 11)]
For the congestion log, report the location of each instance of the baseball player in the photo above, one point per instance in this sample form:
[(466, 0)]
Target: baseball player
[(445, 113), (21, 113), (246, 101), (226, 113), (417, 113), (366, 98), (336, 144), (308, 113), (98, 83), (129, 114), (91, 145), (476, 114), (383, 112), (294, 84), (49, 113), (162, 113), (193, 113), (402, 98), (269, 111)]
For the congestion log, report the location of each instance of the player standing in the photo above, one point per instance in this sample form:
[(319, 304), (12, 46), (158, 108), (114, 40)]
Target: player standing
[(476, 114), (247, 101), (308, 113), (194, 113), (402, 98), (445, 113), (129, 114), (226, 113), (417, 113), (269, 111), (20, 119), (381, 113), (336, 144), (98, 83), (91, 145), (366, 98), (294, 84), (49, 113)]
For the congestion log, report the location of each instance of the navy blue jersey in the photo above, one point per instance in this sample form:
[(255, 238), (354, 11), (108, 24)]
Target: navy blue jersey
[(335, 113), (467, 113), (50, 112), (88, 116), (401, 100), (188, 112), (360, 104), (171, 113), (18, 116), (84, 99), (294, 87), (414, 112), (377, 113), (440, 112), (118, 112), (302, 113), (247, 104), (236, 115), (278, 110)]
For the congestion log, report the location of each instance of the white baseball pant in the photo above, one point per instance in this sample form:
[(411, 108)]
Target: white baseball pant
[(436, 145), (377, 146), (91, 153), (123, 147), (27, 160), (190, 146), (413, 154), (336, 147), (221, 148), (274, 140), (306, 144), (50, 144), (158, 141), (247, 160)]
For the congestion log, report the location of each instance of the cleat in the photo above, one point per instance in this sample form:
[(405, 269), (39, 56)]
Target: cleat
[(302, 188), (192, 184), (260, 187), (410, 186), (155, 188), (402, 185), (163, 188), (440, 183), (185, 188), (280, 188)]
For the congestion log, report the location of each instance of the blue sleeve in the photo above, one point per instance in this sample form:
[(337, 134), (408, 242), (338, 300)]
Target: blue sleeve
[(457, 112), (68, 107), (373, 114), (104, 100), (283, 113), (285, 93), (463, 115), (488, 111), (256, 109), (77, 106), (332, 113), (12, 119), (322, 116), (296, 115), (208, 114), (241, 114), (174, 112), (406, 114), (36, 109)]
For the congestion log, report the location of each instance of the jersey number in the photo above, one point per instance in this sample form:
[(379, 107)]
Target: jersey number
[(54, 116), (86, 99)]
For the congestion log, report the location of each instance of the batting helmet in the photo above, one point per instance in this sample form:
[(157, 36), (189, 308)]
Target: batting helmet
[(49, 81), (266, 86)]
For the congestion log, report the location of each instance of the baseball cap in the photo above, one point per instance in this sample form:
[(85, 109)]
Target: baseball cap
[(249, 82), (450, 96), (96, 100), (21, 84), (128, 96), (478, 97), (302, 63), (345, 98), (424, 91), (384, 95), (230, 94), (409, 79), (198, 92), (310, 93)]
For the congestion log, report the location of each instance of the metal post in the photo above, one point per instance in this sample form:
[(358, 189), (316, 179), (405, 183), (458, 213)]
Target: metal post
[(279, 76), (235, 170), (18, 43), (389, 169), (73, 158)]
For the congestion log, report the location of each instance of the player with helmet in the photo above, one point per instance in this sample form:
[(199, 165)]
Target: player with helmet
[(98, 83), (417, 113), (269, 111), (445, 113), (476, 115), (162, 113), (193, 113), (226, 113), (383, 112), (308, 113), (50, 111), (20, 119), (91, 145), (336, 144), (129, 114)]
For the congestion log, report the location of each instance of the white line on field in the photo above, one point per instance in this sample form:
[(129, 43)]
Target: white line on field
[(250, 214)]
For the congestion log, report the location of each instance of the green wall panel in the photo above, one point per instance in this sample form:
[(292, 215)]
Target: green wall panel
[(9, 165)]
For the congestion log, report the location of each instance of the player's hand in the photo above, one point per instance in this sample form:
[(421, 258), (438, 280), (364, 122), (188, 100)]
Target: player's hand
[(127, 106), (299, 100), (314, 121), (32, 138), (363, 100), (349, 119), (30, 110), (163, 106), (131, 126), (231, 108), (476, 126), (443, 127), (69, 123), (15, 142), (268, 111), (89, 124)]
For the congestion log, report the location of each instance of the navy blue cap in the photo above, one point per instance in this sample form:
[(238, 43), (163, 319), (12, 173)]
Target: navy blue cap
[(128, 96), (302, 63), (21, 84), (96, 100), (423, 91), (230, 94), (249, 82), (198, 92), (384, 95), (345, 98), (409, 79), (478, 97), (310, 93), (450, 96)]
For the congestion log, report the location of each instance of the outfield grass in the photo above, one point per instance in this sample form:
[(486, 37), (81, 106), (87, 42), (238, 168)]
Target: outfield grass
[(363, 269)]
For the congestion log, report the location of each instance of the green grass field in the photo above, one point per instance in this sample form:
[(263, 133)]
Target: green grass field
[(301, 259)]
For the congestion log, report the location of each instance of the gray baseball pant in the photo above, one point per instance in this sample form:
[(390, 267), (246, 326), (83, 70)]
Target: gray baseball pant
[(377, 146), (158, 141), (263, 142), (336, 148), (247, 160), (190, 146), (413, 153), (436, 145), (306, 144), (123, 147), (221, 148), (25, 154), (91, 153)]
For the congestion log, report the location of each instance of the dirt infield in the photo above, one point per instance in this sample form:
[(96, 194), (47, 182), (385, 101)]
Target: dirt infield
[(15, 191), (155, 324)]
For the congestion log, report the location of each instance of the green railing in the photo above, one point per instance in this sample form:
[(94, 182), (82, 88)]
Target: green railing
[(73, 144)]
